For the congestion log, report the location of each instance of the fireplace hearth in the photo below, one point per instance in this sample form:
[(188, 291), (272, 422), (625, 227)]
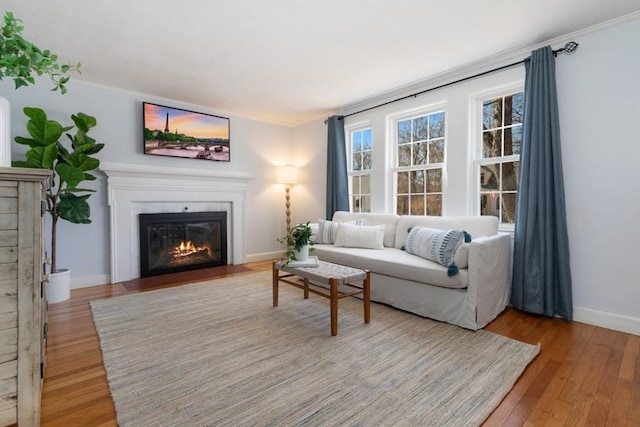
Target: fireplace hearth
[(174, 242)]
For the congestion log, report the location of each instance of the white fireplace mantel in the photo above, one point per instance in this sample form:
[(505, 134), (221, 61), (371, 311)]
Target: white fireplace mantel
[(135, 189)]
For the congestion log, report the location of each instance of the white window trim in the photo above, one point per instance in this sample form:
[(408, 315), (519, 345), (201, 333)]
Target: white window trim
[(475, 143), (392, 153)]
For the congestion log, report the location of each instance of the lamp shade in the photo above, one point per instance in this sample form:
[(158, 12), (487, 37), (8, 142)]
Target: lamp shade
[(287, 175)]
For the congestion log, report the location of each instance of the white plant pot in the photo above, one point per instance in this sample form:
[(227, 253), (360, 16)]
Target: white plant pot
[(302, 254), (5, 132), (59, 286)]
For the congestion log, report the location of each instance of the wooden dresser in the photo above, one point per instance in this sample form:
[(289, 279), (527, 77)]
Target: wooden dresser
[(22, 299)]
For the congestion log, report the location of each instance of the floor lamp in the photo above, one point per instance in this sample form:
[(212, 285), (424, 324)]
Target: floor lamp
[(287, 175)]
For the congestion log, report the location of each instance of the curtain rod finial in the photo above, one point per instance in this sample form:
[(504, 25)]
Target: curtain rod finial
[(570, 47)]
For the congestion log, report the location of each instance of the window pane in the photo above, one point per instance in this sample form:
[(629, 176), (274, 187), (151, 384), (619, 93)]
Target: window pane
[(417, 204), (402, 205), (357, 162), (403, 182), (509, 208), (492, 114), (357, 141), (365, 181), (517, 104), (508, 142), (420, 128), (436, 151), (355, 203), (404, 155), (420, 153), (365, 204), (490, 177), (434, 180), (367, 138), (404, 131), (490, 204), (417, 181), (516, 138), (366, 161), (355, 184), (434, 204), (492, 143), (510, 173), (436, 125)]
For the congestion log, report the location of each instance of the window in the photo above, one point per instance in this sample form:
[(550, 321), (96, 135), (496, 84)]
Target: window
[(420, 153), (360, 171), (499, 160)]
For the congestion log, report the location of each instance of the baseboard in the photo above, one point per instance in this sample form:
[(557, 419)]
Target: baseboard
[(629, 325), (265, 256), (88, 281)]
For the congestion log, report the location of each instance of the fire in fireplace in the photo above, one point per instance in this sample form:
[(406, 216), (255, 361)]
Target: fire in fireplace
[(173, 242)]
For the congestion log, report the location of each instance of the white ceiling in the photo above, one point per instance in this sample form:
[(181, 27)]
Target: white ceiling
[(289, 62)]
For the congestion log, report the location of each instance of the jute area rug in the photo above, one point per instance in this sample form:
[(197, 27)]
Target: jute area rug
[(218, 354)]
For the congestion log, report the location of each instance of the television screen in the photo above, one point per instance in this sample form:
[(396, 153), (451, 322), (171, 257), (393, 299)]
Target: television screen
[(175, 132)]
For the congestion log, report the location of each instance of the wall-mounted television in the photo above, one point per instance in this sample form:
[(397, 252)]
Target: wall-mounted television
[(176, 132)]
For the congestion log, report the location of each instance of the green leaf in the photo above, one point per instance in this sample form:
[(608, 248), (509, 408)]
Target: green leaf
[(35, 157), (80, 190), (21, 164), (25, 141), (74, 209), (70, 174), (49, 156)]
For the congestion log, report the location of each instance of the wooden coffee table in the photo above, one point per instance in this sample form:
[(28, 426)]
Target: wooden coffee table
[(333, 275)]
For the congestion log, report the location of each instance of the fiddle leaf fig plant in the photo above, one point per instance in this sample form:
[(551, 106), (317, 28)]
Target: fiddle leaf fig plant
[(21, 60), (71, 165)]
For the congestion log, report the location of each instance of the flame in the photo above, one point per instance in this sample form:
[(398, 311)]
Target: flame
[(187, 248)]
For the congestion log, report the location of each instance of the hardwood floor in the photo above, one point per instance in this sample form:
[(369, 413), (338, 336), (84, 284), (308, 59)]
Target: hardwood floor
[(584, 375)]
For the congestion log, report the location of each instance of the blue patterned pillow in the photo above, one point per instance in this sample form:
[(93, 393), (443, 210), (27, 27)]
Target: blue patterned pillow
[(435, 245)]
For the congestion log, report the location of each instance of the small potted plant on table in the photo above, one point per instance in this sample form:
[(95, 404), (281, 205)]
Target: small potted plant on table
[(299, 243)]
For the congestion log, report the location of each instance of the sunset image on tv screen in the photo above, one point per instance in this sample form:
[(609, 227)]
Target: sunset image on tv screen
[(180, 133)]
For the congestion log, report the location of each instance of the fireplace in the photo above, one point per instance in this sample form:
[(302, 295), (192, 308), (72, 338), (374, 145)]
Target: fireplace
[(173, 242)]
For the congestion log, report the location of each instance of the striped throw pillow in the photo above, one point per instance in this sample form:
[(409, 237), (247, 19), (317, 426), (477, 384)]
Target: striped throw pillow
[(435, 245)]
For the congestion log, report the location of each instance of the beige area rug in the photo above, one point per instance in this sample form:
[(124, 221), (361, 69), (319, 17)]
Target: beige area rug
[(218, 354)]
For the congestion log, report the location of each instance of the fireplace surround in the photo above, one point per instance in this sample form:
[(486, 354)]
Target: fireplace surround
[(135, 189)]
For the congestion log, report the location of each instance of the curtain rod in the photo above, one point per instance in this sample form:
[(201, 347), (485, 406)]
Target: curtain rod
[(568, 48)]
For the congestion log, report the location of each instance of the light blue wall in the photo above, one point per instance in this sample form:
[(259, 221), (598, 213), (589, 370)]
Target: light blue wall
[(256, 147), (599, 101)]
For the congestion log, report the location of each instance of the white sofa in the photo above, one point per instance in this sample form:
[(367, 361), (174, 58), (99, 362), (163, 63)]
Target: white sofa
[(471, 298)]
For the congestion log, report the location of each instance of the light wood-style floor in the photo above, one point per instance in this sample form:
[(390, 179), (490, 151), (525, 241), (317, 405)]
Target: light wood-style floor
[(584, 375)]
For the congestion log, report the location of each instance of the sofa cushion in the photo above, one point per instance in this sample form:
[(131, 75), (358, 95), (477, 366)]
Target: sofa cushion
[(367, 218), (476, 226), (328, 230), (364, 236), (436, 245), (395, 263)]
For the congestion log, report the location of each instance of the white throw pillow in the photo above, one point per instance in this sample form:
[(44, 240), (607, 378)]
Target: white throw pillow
[(363, 236), (328, 230)]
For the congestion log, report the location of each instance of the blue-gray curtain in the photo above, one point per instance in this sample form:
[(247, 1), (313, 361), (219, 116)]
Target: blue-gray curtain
[(337, 179), (541, 274)]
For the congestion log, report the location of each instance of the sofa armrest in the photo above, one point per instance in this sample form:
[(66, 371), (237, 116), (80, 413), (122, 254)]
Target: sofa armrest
[(489, 275)]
